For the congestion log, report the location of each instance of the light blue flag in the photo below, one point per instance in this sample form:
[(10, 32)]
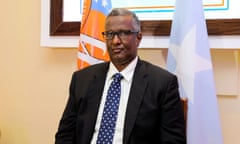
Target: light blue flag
[(189, 58)]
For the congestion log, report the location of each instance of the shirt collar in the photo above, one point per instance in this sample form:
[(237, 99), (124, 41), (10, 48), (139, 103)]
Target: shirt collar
[(127, 72)]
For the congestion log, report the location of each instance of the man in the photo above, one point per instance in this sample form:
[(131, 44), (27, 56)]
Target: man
[(150, 110)]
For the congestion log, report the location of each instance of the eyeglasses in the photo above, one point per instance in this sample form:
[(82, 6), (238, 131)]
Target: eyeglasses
[(122, 34)]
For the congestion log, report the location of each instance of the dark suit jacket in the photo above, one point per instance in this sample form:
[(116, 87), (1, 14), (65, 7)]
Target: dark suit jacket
[(154, 112)]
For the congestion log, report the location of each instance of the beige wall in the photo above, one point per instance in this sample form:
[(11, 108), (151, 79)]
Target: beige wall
[(34, 80)]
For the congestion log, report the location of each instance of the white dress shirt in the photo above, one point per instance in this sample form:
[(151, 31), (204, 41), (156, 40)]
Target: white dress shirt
[(126, 83)]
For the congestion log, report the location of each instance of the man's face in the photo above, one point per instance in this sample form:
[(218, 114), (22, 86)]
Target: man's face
[(122, 47)]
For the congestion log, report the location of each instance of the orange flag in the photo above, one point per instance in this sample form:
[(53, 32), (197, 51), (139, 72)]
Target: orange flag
[(92, 48)]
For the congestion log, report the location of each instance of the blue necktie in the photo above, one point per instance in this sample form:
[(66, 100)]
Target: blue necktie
[(110, 111)]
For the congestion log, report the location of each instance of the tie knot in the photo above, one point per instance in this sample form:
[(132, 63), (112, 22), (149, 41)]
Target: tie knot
[(117, 77)]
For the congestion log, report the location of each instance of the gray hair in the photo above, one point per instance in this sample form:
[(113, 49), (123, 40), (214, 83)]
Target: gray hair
[(126, 12)]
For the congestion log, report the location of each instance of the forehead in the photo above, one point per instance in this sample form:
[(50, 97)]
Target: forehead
[(119, 22)]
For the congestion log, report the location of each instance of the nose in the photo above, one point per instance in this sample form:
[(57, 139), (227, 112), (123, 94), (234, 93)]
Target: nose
[(116, 38)]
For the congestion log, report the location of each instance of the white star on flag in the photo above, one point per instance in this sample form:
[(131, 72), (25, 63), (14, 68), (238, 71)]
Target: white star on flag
[(188, 62), (104, 3)]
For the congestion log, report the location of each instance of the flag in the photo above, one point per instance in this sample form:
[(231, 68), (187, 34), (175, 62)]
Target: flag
[(189, 58), (92, 48)]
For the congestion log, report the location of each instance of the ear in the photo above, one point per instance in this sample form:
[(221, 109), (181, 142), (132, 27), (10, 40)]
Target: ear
[(139, 37)]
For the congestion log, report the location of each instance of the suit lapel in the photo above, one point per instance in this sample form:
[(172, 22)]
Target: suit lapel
[(94, 95), (138, 87)]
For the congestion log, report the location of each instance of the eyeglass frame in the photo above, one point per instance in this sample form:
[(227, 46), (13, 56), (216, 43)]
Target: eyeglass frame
[(122, 34)]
